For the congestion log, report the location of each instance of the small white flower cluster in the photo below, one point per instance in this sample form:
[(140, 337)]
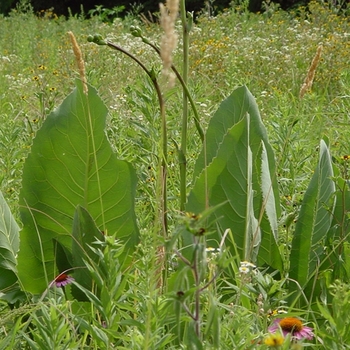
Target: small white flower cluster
[(246, 267), (212, 253)]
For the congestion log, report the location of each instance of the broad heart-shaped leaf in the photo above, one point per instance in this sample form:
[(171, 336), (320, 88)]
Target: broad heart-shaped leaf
[(313, 223), (72, 163), (229, 170), (9, 244)]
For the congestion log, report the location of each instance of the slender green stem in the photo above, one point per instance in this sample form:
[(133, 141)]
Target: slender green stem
[(183, 147), (163, 172), (164, 140), (196, 274)]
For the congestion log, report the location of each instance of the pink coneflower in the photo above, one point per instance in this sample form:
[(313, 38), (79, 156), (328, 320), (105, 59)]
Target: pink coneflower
[(62, 280), (292, 326)]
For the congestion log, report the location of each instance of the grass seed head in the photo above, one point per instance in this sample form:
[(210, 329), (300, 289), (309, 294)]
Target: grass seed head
[(311, 73), (79, 58), (168, 15)]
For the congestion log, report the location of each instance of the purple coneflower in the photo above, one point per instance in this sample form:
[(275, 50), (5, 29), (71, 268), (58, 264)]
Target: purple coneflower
[(62, 280), (292, 326)]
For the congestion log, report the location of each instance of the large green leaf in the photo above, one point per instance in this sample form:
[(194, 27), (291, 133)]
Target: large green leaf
[(233, 109), (71, 163), (235, 159), (228, 180), (9, 244), (313, 222)]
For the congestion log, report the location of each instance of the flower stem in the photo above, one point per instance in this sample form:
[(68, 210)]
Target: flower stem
[(183, 147), (164, 140)]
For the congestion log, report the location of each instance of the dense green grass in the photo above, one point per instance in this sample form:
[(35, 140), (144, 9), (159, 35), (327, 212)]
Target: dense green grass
[(270, 53)]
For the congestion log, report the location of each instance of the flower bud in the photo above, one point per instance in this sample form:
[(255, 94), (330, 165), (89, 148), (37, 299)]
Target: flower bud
[(97, 39), (136, 31)]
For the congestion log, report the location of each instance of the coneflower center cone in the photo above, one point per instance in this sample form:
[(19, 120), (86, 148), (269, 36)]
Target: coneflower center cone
[(291, 324)]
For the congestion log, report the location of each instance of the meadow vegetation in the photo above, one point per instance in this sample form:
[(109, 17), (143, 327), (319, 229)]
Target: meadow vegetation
[(163, 299)]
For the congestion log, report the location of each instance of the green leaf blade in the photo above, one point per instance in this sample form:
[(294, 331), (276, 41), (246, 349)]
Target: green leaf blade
[(85, 233), (228, 172), (314, 220), (228, 179), (9, 245), (71, 163)]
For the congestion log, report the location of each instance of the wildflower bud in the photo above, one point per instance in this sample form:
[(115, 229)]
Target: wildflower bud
[(200, 232), (180, 295), (136, 31), (97, 39), (145, 40)]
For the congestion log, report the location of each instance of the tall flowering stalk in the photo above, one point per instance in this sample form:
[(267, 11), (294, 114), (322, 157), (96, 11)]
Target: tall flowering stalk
[(311, 73), (80, 62), (186, 27), (168, 15)]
